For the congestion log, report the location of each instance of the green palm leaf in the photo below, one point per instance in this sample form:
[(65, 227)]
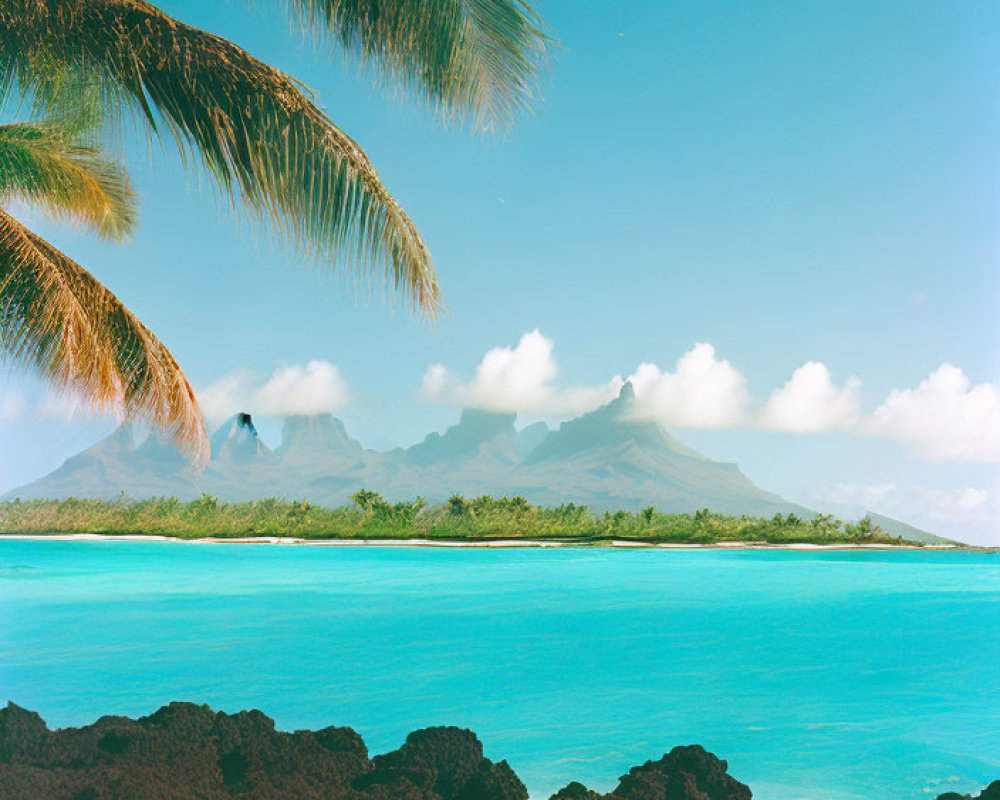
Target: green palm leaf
[(262, 138), (49, 165), (56, 318), (475, 58)]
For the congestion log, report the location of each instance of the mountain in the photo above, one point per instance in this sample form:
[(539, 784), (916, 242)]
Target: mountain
[(606, 459), (237, 441), (609, 425), (894, 527), (318, 443), (475, 431), (122, 462), (609, 459)]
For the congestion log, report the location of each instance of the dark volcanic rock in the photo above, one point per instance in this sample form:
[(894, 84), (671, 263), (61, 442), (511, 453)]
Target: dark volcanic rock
[(991, 792), (188, 752), (20, 730), (685, 773), (185, 751), (442, 762), (182, 751), (576, 791)]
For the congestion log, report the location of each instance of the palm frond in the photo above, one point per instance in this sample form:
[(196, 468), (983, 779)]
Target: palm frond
[(264, 141), (475, 58), (51, 165), (57, 319)]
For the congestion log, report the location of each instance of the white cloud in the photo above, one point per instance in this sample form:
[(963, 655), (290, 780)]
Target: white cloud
[(315, 388), (436, 384), (810, 402), (509, 379), (701, 392), (516, 380), (12, 406), (63, 407), (41, 401), (947, 417), (227, 396)]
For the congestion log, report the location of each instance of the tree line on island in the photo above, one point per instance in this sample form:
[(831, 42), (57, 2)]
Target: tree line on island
[(459, 519)]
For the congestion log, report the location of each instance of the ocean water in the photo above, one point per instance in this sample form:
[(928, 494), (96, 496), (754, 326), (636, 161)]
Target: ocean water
[(816, 675)]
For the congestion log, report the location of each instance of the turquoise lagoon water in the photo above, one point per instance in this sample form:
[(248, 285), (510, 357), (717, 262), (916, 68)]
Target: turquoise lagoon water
[(817, 675)]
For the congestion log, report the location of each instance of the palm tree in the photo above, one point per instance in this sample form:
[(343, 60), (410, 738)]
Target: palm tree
[(54, 315), (259, 135)]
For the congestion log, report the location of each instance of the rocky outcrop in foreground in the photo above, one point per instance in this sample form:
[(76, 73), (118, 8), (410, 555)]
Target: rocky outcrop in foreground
[(685, 773), (185, 751), (991, 792)]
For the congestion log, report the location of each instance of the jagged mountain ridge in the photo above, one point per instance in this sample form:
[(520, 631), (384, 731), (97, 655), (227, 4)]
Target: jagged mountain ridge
[(604, 459)]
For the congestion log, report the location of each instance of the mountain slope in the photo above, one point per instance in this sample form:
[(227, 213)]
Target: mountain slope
[(237, 440), (608, 459), (605, 459), (116, 465), (896, 528)]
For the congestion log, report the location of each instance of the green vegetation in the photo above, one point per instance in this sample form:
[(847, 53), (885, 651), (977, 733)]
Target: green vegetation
[(460, 519)]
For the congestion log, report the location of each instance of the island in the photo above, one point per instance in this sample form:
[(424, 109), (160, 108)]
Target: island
[(484, 519)]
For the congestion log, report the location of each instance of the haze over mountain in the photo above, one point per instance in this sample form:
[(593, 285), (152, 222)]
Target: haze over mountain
[(604, 459)]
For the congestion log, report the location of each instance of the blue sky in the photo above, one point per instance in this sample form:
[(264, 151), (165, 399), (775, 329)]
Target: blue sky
[(786, 182)]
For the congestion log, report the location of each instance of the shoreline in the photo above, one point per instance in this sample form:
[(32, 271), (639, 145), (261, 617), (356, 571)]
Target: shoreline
[(478, 544)]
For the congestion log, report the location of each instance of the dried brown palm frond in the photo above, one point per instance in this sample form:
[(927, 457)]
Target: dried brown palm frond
[(262, 138), (51, 165), (474, 58), (56, 318)]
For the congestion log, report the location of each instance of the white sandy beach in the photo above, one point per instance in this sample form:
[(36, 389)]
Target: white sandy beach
[(495, 543)]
